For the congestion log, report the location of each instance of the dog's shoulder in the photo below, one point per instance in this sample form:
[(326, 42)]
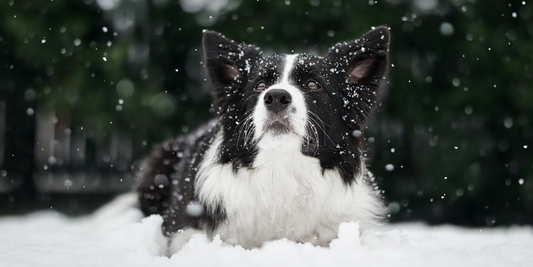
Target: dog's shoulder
[(166, 180)]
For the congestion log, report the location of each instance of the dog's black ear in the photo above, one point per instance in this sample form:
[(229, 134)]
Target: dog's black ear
[(227, 62), (361, 66), (365, 59)]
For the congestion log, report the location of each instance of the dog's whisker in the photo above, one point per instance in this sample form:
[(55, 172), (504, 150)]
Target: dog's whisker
[(322, 128), (242, 126)]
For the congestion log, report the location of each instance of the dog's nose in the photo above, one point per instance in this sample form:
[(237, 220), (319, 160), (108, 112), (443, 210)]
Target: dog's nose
[(277, 100)]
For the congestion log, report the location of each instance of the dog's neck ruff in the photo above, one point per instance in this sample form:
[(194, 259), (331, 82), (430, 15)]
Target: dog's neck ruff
[(285, 194)]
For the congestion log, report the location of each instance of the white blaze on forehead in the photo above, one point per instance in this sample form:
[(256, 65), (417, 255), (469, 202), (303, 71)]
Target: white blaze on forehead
[(289, 63)]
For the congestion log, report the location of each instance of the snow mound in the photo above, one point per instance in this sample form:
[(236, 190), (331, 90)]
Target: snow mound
[(51, 239)]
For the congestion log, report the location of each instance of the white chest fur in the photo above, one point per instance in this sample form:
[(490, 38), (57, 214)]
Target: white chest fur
[(284, 195)]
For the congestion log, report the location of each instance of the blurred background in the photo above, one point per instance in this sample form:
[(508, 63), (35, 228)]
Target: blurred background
[(88, 87)]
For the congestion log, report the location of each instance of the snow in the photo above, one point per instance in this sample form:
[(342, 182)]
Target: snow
[(126, 239)]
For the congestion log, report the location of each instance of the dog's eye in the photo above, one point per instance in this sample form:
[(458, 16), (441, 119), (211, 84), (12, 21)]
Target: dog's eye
[(313, 85), (260, 86)]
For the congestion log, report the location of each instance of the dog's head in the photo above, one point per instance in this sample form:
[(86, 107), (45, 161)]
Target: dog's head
[(320, 102)]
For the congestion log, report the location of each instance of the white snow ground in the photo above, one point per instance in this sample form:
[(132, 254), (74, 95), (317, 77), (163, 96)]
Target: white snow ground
[(51, 239)]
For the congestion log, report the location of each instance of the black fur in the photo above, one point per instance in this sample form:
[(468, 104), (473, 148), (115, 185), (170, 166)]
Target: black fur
[(178, 161)]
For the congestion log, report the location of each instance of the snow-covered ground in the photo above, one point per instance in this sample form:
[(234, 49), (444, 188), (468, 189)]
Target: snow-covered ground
[(51, 239)]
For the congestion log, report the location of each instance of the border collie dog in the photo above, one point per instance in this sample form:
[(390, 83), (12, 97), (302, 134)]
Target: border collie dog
[(283, 158)]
